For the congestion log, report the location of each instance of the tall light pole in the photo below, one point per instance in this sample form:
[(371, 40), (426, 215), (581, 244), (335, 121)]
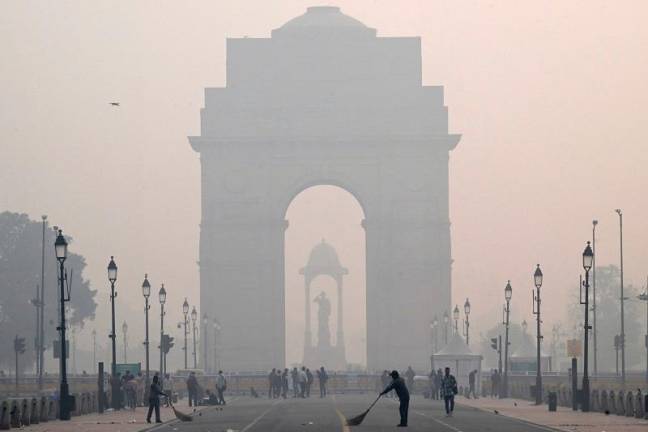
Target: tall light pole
[(60, 246), (508, 293), (622, 299), (112, 278), (146, 292), (455, 317), (124, 335), (644, 297), (445, 327), (205, 322), (594, 329), (467, 321), (41, 330), (162, 298), (588, 259), (537, 279), (194, 317), (94, 351), (185, 312)]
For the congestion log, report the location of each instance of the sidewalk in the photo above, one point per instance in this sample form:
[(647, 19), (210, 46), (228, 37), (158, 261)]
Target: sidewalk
[(110, 421), (564, 418)]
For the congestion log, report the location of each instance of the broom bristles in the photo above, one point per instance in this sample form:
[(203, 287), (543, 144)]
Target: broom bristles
[(355, 421)]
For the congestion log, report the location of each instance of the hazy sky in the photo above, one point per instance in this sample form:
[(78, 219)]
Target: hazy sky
[(550, 98)]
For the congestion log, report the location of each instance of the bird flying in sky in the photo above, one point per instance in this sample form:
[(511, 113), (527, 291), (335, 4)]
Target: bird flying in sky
[(114, 103)]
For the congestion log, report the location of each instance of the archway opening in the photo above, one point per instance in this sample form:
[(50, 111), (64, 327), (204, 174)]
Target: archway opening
[(333, 216)]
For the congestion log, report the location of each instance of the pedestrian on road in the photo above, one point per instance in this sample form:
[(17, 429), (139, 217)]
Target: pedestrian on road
[(284, 384), (432, 384), (192, 389), (437, 382), (409, 377), (309, 381), (271, 381), (398, 385), (277, 384), (495, 380), (471, 383), (448, 391), (303, 378), (322, 376), (154, 400), (294, 374), (221, 386)]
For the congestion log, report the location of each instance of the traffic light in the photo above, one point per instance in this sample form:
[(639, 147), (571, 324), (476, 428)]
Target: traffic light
[(19, 345), (494, 343), (166, 343)]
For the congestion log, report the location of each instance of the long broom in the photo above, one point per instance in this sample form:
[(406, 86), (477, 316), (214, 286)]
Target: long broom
[(355, 421), (180, 415)]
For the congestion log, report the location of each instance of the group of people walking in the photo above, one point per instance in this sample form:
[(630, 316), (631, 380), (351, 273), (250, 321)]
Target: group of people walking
[(300, 380)]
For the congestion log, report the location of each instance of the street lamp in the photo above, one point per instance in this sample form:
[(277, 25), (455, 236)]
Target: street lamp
[(185, 312), (467, 322), (205, 322), (146, 292), (445, 326), (588, 259), (537, 279), (112, 278), (455, 316), (162, 298), (508, 293), (622, 299), (594, 329), (60, 247), (194, 317), (124, 331)]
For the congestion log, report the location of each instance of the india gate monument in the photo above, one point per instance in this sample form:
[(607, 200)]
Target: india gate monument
[(324, 101)]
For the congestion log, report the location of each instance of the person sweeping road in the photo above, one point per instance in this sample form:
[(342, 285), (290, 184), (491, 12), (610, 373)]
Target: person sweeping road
[(398, 385)]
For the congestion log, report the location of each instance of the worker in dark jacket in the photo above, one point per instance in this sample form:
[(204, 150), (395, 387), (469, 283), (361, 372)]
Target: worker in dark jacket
[(398, 385), (154, 400)]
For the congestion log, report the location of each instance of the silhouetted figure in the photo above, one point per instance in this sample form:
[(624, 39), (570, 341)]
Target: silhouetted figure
[(154, 400), (409, 377), (322, 376), (254, 393), (284, 384), (271, 381), (192, 389), (448, 391), (471, 382), (303, 378), (277, 384), (437, 380), (398, 385), (294, 374), (221, 386), (309, 381), (495, 383)]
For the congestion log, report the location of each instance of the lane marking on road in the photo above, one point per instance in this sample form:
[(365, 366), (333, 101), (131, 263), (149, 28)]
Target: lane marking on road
[(256, 420), (449, 426), (174, 421), (343, 420)]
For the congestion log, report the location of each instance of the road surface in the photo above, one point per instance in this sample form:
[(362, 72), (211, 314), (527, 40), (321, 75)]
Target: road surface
[(244, 414)]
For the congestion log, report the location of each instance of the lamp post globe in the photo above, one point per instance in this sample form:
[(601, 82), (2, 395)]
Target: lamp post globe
[(194, 314), (60, 247), (455, 316), (588, 257), (162, 295), (146, 287), (508, 291), (112, 270), (467, 307), (185, 307), (537, 277)]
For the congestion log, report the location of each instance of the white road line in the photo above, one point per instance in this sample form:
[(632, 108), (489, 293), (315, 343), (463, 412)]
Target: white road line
[(256, 420), (452, 428)]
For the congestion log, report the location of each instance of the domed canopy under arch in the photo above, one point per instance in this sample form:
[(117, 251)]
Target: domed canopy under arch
[(323, 260)]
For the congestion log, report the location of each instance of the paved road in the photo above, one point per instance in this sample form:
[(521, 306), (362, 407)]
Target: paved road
[(319, 415)]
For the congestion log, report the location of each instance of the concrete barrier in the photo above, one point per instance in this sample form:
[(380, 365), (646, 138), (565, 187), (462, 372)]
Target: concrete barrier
[(639, 406), (14, 413), (24, 412), (612, 402), (629, 404), (604, 401), (77, 405), (5, 417), (52, 409), (43, 409), (620, 406), (34, 412), (594, 401)]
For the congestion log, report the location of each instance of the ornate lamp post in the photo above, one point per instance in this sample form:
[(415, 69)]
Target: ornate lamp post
[(537, 279), (588, 259), (205, 322), (124, 333), (455, 317), (146, 292), (508, 293), (194, 317), (622, 299), (112, 278), (60, 246), (467, 322), (162, 297), (185, 312), (445, 326)]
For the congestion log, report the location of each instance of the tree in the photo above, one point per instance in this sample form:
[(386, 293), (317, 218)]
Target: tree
[(608, 316), (20, 274)]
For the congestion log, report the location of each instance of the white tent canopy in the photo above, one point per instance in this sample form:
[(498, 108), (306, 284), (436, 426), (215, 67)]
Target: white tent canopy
[(458, 356)]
